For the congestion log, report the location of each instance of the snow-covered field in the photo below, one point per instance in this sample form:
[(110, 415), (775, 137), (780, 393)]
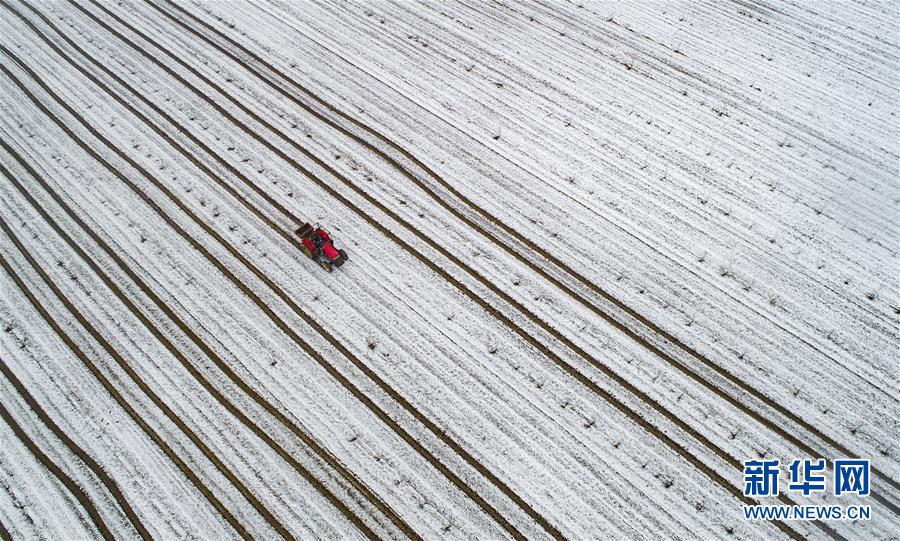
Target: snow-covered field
[(600, 255)]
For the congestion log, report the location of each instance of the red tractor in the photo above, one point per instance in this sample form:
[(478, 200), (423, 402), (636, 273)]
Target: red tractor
[(316, 242)]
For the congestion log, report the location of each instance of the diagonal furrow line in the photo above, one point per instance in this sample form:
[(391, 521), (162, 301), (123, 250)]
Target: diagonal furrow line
[(74, 488), (111, 389), (111, 486)]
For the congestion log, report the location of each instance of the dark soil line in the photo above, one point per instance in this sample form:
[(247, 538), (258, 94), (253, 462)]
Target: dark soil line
[(111, 486), (283, 326), (115, 394), (81, 319), (70, 485)]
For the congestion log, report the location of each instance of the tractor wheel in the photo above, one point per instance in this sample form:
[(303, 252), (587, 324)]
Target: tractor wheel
[(306, 250), (326, 266)]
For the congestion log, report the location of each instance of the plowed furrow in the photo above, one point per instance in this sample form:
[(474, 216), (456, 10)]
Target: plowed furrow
[(74, 488), (111, 389), (111, 486)]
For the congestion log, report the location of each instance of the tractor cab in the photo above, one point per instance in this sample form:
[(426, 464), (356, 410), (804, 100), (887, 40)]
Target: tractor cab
[(317, 245)]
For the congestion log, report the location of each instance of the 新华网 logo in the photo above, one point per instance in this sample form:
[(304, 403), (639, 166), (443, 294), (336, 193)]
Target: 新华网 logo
[(807, 477)]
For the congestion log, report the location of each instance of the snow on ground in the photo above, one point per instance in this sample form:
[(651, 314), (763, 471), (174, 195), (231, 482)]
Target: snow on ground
[(599, 255)]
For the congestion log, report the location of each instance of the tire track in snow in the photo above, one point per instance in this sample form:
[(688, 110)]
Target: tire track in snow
[(707, 470), (540, 253), (74, 488), (111, 486), (290, 332), (218, 395), (710, 472)]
